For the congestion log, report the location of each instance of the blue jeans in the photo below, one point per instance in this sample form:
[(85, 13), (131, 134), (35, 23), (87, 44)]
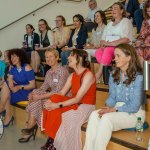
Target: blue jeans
[(138, 15), (64, 57)]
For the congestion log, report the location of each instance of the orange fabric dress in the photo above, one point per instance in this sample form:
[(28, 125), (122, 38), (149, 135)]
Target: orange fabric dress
[(52, 119)]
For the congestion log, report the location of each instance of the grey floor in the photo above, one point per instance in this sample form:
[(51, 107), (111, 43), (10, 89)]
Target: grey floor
[(9, 141)]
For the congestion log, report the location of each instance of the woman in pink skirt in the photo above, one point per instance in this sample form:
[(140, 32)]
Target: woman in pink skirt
[(55, 79), (118, 31)]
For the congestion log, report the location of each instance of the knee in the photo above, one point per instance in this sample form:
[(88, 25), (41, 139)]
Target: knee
[(106, 118), (98, 55)]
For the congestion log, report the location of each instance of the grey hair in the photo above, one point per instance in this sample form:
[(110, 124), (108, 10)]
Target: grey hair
[(93, 1)]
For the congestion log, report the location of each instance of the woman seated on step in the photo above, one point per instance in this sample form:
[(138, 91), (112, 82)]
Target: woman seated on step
[(46, 41), (124, 104), (55, 80), (118, 31), (100, 23), (63, 116), (77, 38), (21, 81), (62, 34)]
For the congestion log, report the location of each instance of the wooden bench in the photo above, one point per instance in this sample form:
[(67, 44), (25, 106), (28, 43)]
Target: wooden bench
[(121, 140)]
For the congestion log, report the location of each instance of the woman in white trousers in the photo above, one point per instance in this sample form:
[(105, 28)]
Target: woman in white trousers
[(125, 102)]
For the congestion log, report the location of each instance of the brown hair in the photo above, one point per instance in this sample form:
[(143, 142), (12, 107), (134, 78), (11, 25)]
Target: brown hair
[(45, 22), (134, 64), (103, 16), (122, 8), (21, 53), (147, 5), (84, 55), (62, 18)]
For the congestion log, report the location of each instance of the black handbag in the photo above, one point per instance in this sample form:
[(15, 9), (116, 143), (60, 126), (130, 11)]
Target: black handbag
[(43, 68)]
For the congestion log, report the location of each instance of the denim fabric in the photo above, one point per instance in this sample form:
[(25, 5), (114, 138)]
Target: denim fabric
[(138, 15), (64, 57), (132, 95)]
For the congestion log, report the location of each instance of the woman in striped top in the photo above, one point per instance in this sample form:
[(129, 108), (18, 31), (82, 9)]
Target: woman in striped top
[(55, 80), (63, 116)]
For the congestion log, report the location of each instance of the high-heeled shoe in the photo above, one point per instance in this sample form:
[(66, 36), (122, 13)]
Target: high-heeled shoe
[(45, 147), (31, 132), (25, 140), (28, 131), (11, 121)]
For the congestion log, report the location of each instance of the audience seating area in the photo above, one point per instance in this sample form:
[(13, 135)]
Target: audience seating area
[(124, 140)]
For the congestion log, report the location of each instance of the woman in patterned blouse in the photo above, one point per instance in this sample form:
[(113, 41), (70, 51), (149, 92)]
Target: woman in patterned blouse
[(55, 79), (143, 42)]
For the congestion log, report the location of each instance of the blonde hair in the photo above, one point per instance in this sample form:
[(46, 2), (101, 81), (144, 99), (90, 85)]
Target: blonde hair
[(54, 51)]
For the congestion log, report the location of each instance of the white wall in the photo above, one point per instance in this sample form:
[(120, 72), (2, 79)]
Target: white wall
[(12, 36)]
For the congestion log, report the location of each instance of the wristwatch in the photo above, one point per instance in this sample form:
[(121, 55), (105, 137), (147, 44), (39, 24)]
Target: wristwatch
[(22, 87), (60, 105)]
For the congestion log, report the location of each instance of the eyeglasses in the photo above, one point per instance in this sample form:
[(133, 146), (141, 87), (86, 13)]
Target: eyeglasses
[(41, 24), (58, 20)]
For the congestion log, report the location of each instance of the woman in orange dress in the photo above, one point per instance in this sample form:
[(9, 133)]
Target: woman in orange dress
[(63, 116)]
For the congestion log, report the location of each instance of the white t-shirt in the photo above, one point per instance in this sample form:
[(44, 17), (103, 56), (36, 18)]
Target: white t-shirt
[(30, 40), (124, 29), (91, 14)]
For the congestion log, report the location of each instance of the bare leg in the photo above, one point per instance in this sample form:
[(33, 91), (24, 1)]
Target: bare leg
[(5, 103), (141, 60), (99, 72), (35, 61)]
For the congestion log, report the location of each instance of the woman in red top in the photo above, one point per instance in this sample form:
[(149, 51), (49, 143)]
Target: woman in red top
[(63, 116)]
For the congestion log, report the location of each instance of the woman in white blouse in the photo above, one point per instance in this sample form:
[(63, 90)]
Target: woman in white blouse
[(118, 31), (100, 23)]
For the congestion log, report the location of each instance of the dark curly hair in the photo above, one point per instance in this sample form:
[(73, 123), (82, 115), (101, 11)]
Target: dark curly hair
[(79, 17), (84, 55), (103, 16), (134, 64), (23, 57)]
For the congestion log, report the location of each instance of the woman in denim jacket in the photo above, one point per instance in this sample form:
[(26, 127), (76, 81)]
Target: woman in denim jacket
[(125, 101)]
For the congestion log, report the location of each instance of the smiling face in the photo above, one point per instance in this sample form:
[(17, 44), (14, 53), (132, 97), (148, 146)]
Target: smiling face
[(76, 22), (59, 22), (116, 11), (15, 59), (51, 58), (148, 11), (98, 18), (42, 26), (122, 61), (6, 57), (92, 5), (29, 30)]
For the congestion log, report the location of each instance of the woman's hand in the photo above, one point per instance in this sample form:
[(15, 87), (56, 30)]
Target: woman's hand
[(103, 43), (105, 110), (138, 43), (15, 89), (36, 97), (50, 105)]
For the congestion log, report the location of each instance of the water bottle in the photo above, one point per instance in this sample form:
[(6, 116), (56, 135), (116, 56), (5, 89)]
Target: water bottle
[(149, 145), (139, 129)]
